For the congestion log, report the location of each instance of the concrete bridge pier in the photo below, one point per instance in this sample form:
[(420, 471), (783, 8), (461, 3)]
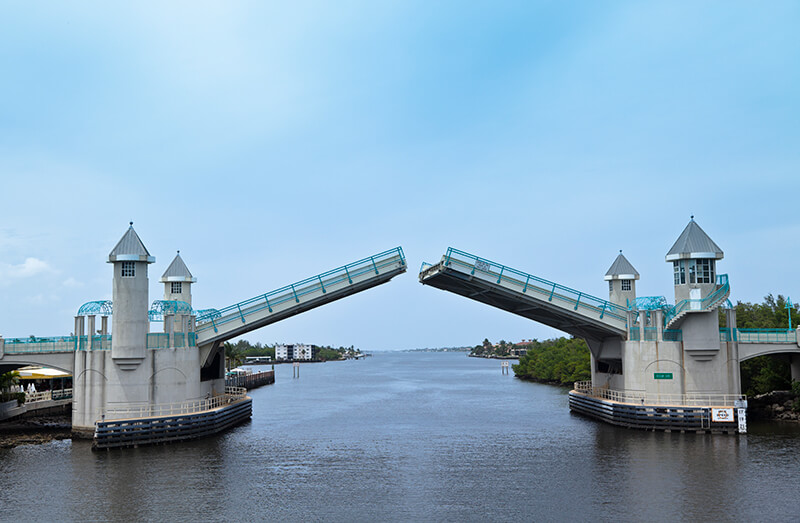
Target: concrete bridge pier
[(795, 366)]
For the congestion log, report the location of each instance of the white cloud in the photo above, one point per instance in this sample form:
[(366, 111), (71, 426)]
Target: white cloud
[(27, 269)]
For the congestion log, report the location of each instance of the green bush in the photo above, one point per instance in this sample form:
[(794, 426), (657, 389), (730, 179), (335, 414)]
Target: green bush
[(562, 361)]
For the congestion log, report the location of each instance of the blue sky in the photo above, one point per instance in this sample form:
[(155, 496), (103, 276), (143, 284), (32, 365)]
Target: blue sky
[(273, 141)]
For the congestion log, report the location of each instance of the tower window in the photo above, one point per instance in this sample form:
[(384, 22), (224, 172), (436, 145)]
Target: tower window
[(626, 285), (704, 271), (680, 272), (610, 286), (128, 269), (175, 287)]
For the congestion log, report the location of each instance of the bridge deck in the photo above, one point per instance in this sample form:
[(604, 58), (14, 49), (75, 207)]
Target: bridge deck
[(304, 295), (568, 310)]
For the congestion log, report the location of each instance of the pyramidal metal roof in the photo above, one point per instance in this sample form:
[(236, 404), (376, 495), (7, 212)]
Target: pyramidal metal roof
[(177, 271), (621, 269), (694, 243), (130, 248)]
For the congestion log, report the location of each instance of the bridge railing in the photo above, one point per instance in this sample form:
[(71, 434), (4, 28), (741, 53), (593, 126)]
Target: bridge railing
[(319, 283), (41, 345), (529, 283), (232, 394), (692, 399), (765, 335), (48, 395), (155, 340)]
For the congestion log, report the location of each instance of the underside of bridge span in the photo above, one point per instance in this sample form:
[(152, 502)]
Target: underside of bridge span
[(478, 289)]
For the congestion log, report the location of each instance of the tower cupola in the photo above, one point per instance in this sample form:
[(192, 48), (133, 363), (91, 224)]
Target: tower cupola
[(177, 281), (621, 278), (693, 258)]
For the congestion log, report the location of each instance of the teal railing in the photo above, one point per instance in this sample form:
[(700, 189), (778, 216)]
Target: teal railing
[(651, 334), (727, 335), (293, 292), (710, 301), (99, 342), (155, 340), (765, 336), (527, 281), (35, 345)]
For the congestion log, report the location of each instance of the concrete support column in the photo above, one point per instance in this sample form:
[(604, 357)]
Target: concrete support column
[(730, 321), (2, 347), (659, 319), (104, 325), (169, 328), (642, 324), (629, 321), (735, 371), (78, 331), (794, 362), (90, 344)]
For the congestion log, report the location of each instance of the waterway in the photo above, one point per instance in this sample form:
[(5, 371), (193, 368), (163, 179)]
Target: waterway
[(413, 437)]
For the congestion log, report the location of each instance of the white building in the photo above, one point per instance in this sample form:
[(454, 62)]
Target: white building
[(293, 352)]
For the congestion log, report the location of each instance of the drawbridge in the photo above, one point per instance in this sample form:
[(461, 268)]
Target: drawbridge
[(217, 326), (579, 314)]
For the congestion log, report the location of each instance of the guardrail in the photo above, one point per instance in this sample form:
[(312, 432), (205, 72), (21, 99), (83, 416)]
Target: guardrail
[(48, 395), (709, 302), (155, 340), (232, 394), (239, 311), (643, 398), (35, 345), (528, 282), (764, 335)]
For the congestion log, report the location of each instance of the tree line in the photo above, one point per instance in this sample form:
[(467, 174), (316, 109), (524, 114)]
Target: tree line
[(236, 353), (561, 361), (765, 373)]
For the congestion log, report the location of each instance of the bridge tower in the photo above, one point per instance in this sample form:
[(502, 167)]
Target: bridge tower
[(178, 282), (621, 278), (120, 376), (130, 323), (709, 365)]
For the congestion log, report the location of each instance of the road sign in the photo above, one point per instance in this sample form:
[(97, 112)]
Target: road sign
[(663, 375)]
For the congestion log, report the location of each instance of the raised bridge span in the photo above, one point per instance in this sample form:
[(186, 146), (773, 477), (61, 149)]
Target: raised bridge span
[(215, 326), (574, 312), (582, 315)]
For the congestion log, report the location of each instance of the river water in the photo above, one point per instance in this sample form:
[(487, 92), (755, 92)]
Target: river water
[(413, 437)]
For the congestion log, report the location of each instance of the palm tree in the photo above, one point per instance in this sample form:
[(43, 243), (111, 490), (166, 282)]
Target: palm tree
[(233, 357)]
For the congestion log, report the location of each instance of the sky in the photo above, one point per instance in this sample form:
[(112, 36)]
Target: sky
[(270, 142)]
